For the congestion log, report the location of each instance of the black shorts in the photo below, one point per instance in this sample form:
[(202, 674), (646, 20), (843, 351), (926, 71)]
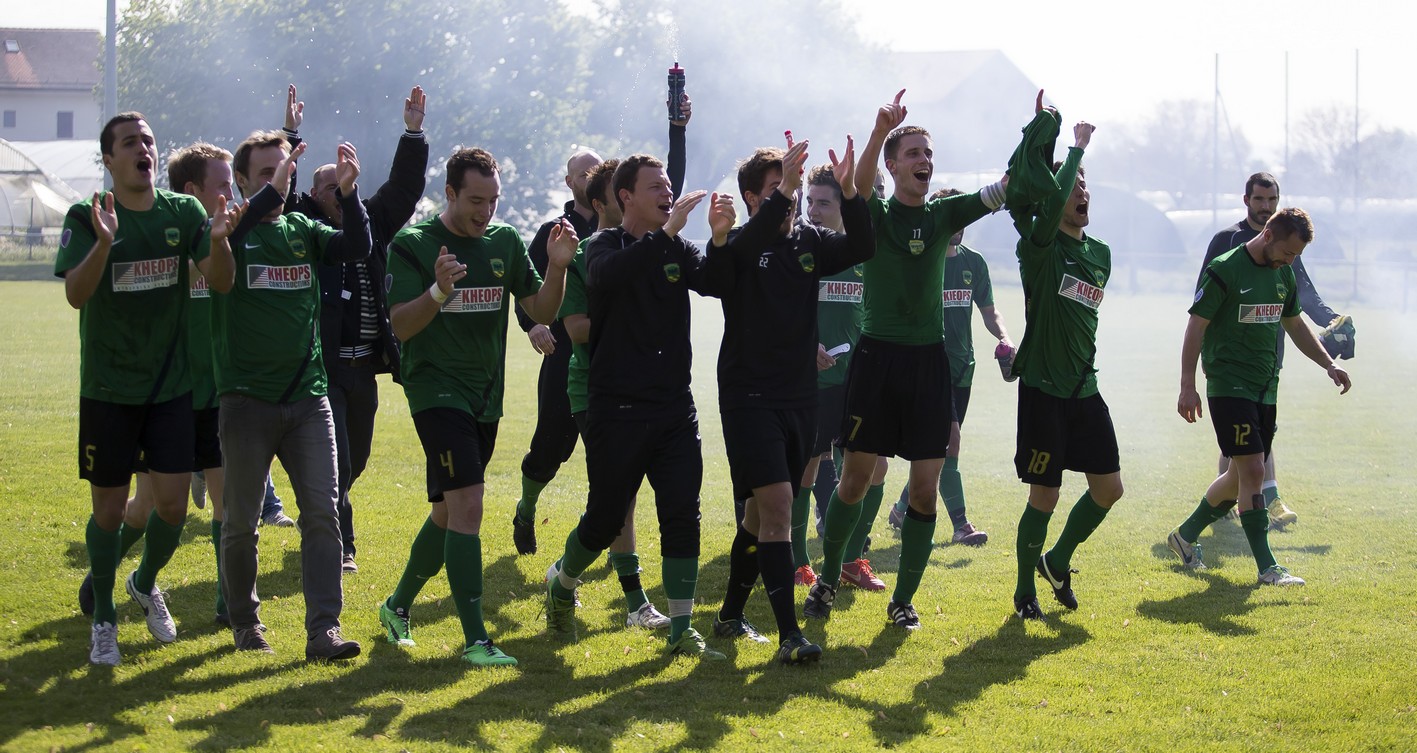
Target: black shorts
[(894, 401), (1242, 427), (112, 436), (207, 447), (831, 406), (1059, 433), (767, 447), (959, 398), (458, 448)]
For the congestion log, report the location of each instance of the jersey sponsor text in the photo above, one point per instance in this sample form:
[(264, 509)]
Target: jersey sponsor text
[(149, 274), (958, 299), (471, 300), (1263, 313), (1075, 289), (829, 291), (200, 288), (278, 278)]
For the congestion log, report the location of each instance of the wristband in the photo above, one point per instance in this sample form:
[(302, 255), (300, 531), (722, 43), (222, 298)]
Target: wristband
[(439, 297), (993, 195), (291, 132)]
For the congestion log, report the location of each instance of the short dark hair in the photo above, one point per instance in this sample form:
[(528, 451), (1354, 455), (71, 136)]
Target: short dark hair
[(106, 137), (257, 140), (822, 175), (189, 164), (598, 179), (472, 158), (628, 172), (1059, 166), (753, 172), (893, 140), (1263, 180), (945, 193), (1290, 220)]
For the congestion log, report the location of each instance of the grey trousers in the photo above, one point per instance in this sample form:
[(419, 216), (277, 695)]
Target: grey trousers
[(301, 434)]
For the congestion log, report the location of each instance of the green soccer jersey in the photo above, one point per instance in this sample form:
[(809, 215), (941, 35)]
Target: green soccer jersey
[(904, 279), (133, 330), (1063, 281), (1244, 303), (575, 302), (966, 285), (459, 360), (199, 343), (266, 329), (839, 300)]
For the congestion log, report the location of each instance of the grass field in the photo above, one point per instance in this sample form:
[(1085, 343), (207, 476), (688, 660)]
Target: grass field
[(1156, 658)]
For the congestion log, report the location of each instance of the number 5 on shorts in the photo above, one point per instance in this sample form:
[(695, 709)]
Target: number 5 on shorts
[(1038, 464)]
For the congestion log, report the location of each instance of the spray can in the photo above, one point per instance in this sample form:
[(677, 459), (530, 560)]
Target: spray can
[(1005, 356), (676, 92)]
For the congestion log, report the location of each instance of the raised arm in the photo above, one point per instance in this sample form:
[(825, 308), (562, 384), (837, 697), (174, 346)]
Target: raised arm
[(392, 206), (294, 116), (353, 240), (1045, 228), (678, 150), (888, 118), (560, 250)]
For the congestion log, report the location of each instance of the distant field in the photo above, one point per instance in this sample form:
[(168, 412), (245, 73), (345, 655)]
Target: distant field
[(1156, 658)]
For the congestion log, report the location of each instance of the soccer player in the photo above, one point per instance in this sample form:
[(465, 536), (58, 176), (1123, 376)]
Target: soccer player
[(967, 285), (355, 336), (123, 257), (1063, 422), (1247, 294), (894, 405), (1261, 200), (270, 376), (575, 313), (452, 278), (641, 418), (768, 272)]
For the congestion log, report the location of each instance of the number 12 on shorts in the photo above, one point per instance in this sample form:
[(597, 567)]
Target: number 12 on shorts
[(1242, 434)]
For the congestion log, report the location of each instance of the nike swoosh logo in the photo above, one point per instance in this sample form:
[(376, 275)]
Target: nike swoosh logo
[(1035, 546), (1048, 576), (1070, 263), (248, 245), (1245, 290), (111, 245)]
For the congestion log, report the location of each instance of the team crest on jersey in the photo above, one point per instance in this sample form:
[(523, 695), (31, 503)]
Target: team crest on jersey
[(671, 272), (498, 268), (173, 236), (1100, 277), (388, 283), (297, 247), (808, 262), (1283, 291), (1074, 289), (148, 274), (917, 248), (64, 237), (968, 278), (858, 271)]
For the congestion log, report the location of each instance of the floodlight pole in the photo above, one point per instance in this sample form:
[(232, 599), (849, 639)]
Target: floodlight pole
[(110, 74)]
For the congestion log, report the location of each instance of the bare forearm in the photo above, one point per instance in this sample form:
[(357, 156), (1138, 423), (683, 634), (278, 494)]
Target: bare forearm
[(868, 163), (82, 281), (547, 301), (409, 318), (1306, 341), (994, 322), (219, 267), (1191, 350), (578, 327)]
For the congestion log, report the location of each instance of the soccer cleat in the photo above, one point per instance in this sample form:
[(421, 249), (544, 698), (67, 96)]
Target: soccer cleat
[(199, 491), (560, 613), (796, 649), (737, 628), (86, 595), (347, 565), (103, 645), (969, 536), (819, 600), (1028, 609), (330, 646), (647, 617), (396, 625), (859, 574), (154, 608), (575, 593), (903, 615), (1189, 553), (523, 535), (251, 639), (278, 519), (1280, 515), (692, 644), (805, 576), (895, 518), (485, 654), (1061, 581), (1278, 575)]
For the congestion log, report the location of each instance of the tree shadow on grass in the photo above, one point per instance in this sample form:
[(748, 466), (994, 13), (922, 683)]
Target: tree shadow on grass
[(1215, 609)]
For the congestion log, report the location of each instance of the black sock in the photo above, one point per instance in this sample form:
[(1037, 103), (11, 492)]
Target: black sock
[(775, 561), (742, 574)]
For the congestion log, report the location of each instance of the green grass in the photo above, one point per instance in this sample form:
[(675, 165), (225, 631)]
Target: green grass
[(1155, 659)]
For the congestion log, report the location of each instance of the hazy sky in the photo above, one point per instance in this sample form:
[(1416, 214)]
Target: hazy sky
[(1108, 61)]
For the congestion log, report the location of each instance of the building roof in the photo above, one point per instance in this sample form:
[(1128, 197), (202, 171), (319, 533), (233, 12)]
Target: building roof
[(65, 59)]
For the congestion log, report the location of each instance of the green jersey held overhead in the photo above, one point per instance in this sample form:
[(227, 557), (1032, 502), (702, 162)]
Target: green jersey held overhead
[(1063, 283), (903, 280), (967, 285), (575, 302), (1244, 303), (265, 331), (839, 312), (459, 360), (133, 331)]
